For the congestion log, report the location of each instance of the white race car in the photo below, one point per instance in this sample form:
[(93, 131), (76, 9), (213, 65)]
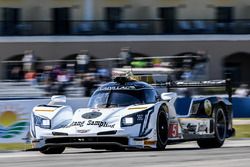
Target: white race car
[(130, 114)]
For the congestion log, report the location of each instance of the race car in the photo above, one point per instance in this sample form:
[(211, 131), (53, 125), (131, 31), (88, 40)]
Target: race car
[(130, 114)]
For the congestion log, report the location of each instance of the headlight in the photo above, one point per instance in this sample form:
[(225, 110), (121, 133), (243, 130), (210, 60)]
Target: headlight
[(136, 118), (42, 122), (128, 121)]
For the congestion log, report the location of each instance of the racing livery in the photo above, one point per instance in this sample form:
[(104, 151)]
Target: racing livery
[(126, 114)]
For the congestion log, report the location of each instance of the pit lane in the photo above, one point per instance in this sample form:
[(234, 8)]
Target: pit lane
[(235, 153)]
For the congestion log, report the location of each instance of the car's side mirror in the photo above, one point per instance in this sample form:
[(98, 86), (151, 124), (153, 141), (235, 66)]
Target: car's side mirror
[(57, 99), (168, 96)]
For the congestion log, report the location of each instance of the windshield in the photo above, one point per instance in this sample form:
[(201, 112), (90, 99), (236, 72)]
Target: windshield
[(121, 98)]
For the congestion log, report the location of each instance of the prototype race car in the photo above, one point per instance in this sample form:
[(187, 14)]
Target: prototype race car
[(127, 114)]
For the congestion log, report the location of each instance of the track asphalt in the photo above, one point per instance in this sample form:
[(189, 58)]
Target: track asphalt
[(234, 153)]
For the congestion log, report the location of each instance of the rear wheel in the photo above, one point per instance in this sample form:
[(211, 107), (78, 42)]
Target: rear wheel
[(220, 129), (162, 129), (52, 150)]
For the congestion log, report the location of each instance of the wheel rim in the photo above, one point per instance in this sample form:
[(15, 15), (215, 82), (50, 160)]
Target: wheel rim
[(163, 128), (220, 124)]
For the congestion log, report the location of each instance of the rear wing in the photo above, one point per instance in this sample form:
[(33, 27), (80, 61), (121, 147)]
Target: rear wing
[(188, 84)]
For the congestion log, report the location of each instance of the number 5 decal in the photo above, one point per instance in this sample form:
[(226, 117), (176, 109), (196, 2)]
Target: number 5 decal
[(173, 130)]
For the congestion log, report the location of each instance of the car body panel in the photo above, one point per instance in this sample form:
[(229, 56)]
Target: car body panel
[(130, 126)]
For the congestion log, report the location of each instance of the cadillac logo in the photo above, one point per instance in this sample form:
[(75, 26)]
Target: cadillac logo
[(91, 115)]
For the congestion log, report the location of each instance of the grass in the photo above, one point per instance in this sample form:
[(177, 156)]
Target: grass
[(242, 131), (241, 118), (14, 146)]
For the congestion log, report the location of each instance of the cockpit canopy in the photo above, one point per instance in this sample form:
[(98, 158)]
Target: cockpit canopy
[(115, 94)]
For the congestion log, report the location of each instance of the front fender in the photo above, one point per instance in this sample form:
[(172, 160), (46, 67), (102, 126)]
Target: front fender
[(57, 116)]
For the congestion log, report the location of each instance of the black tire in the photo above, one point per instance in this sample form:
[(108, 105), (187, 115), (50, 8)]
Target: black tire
[(52, 150), (162, 129), (220, 129)]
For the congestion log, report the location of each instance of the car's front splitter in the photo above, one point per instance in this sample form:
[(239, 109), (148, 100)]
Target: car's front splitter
[(95, 142)]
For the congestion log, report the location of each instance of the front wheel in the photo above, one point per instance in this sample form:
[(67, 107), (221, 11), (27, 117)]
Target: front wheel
[(162, 129), (220, 129), (52, 150)]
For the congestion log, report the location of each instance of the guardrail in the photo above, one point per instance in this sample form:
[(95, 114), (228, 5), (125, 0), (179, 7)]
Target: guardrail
[(124, 27)]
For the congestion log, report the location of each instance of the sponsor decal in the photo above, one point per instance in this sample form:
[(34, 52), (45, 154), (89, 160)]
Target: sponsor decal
[(81, 139), (173, 130), (91, 123), (196, 127), (76, 123), (91, 115), (12, 122), (208, 107), (148, 142), (202, 128), (118, 88), (195, 108), (100, 124), (191, 127), (155, 133), (83, 130)]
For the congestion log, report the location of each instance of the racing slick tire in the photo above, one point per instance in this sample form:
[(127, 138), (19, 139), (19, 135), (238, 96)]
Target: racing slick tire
[(52, 150), (162, 128), (220, 129)]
